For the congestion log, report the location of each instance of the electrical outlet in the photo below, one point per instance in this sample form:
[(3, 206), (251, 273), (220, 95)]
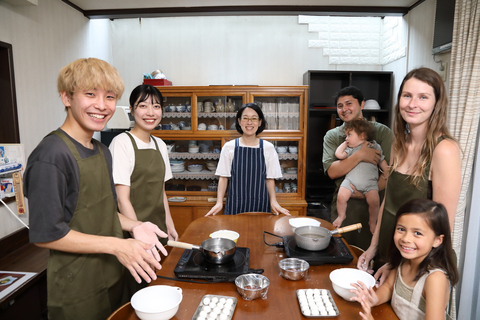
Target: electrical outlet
[(443, 73)]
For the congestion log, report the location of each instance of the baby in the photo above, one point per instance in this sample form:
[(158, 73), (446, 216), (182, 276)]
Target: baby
[(364, 177)]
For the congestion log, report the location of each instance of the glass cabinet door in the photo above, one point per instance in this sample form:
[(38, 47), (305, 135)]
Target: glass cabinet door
[(288, 157), (216, 113), (177, 113), (281, 113)]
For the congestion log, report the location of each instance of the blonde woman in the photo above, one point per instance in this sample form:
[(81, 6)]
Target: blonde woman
[(425, 160)]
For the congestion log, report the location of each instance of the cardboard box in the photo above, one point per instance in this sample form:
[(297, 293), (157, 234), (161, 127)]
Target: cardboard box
[(157, 82)]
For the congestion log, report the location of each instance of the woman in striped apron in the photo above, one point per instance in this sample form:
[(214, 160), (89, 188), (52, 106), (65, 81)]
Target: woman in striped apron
[(252, 166)]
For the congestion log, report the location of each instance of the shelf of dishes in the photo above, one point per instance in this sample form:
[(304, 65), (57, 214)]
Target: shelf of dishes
[(212, 185), (203, 170), (218, 113)]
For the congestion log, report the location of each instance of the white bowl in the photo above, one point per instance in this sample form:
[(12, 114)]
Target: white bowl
[(371, 105), (157, 302), (195, 167), (342, 279), (228, 234), (302, 222)]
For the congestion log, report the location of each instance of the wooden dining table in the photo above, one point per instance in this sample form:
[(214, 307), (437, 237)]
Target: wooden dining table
[(281, 301)]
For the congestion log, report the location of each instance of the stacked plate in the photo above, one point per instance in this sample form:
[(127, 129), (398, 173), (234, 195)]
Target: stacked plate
[(177, 165), (212, 165), (291, 170), (195, 167)]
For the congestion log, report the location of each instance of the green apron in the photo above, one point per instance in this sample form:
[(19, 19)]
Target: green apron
[(146, 195), (146, 186), (88, 286), (404, 191)]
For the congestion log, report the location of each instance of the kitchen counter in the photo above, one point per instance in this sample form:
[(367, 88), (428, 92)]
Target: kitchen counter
[(281, 302), (29, 300)]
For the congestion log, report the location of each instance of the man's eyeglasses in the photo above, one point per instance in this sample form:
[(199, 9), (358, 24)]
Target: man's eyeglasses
[(245, 119)]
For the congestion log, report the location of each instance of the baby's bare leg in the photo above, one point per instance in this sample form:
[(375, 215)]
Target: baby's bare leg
[(373, 201), (343, 195)]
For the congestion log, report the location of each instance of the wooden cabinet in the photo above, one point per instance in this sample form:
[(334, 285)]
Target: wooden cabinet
[(322, 116), (198, 120)]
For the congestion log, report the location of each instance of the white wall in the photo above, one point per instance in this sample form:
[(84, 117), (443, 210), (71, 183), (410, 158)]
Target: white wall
[(215, 50), (44, 39), (418, 35)]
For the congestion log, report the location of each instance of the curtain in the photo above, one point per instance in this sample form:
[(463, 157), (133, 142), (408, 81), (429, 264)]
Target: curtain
[(463, 122)]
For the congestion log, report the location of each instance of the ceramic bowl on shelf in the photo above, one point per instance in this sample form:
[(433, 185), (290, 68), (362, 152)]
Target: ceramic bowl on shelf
[(193, 149), (282, 150), (371, 105), (291, 170), (195, 167)]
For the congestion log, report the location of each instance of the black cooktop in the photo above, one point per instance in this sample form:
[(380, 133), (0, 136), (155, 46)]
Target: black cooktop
[(193, 266), (337, 252)]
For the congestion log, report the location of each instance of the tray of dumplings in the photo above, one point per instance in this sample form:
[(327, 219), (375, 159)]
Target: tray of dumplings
[(215, 307), (317, 303)]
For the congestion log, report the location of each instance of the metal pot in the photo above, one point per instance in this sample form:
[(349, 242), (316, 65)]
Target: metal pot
[(215, 250), (318, 238)]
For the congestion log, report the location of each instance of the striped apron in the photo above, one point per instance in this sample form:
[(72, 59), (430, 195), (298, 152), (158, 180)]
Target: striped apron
[(247, 190)]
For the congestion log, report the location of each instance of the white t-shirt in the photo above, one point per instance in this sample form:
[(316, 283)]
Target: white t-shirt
[(224, 167), (123, 156)]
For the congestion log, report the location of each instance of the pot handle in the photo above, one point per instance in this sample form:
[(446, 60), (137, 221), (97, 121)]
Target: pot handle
[(182, 245), (347, 228)]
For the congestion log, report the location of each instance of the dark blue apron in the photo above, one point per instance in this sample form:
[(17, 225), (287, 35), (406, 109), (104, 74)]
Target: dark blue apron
[(247, 191)]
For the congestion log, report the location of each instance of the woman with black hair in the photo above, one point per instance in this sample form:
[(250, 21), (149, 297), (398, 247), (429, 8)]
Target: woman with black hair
[(252, 166), (141, 167)]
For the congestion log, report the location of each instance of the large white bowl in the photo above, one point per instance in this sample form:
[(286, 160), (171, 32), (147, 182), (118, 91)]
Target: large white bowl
[(228, 234), (157, 302), (302, 222), (342, 279)]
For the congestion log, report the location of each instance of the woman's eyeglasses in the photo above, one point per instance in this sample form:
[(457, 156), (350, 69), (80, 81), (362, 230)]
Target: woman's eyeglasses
[(254, 119)]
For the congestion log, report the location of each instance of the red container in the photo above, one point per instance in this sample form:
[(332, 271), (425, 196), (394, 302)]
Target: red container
[(157, 82)]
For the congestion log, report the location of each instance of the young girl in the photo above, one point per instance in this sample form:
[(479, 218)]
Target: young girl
[(421, 256), (252, 166)]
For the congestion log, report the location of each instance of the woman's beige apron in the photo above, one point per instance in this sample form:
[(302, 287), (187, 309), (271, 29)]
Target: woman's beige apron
[(409, 309), (88, 286)]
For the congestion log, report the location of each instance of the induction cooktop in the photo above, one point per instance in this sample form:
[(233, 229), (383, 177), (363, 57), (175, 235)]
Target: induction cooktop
[(337, 252), (193, 266)]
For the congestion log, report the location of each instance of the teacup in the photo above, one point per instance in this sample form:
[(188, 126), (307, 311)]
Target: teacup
[(180, 108), (282, 149), (292, 149), (169, 108)]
